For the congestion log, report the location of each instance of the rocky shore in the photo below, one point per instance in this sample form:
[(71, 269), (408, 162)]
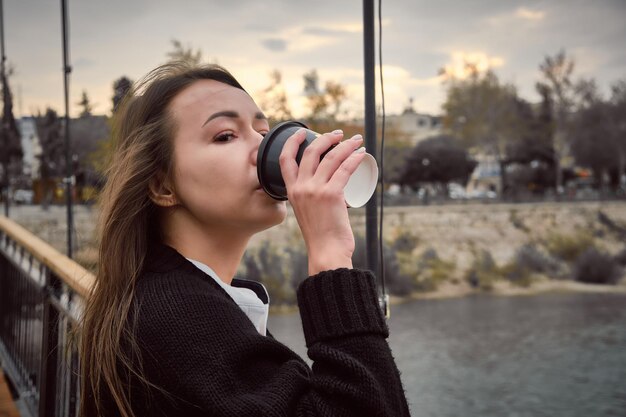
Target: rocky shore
[(456, 233)]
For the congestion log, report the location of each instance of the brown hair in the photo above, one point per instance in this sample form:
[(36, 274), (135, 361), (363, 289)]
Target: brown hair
[(142, 134)]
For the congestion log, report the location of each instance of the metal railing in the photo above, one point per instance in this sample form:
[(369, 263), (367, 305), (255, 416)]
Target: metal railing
[(41, 291)]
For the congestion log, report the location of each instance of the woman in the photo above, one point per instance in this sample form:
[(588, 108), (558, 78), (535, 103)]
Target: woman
[(167, 330)]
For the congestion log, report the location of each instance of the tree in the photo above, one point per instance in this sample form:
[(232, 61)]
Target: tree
[(10, 141), (121, 87), (51, 159), (395, 160), (87, 136), (100, 157), (591, 141), (315, 97), (557, 81), (323, 104), (530, 157), (51, 141), (273, 99), (336, 94), (188, 55), (597, 131), (483, 114), (618, 126), (85, 105), (439, 159)]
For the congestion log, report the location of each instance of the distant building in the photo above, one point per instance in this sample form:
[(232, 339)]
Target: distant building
[(31, 147), (410, 126), (416, 126), (85, 136)]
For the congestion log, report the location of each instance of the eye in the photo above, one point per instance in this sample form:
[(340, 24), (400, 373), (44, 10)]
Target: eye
[(224, 137)]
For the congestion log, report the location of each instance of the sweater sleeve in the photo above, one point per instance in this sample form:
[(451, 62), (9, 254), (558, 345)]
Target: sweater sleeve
[(200, 349)]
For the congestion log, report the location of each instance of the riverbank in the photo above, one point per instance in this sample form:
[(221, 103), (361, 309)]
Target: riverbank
[(445, 251), (449, 290), (543, 286)]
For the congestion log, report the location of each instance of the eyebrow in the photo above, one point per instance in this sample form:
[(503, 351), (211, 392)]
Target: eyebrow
[(232, 114)]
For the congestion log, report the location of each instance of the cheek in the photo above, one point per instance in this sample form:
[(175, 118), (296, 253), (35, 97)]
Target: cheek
[(191, 174), (206, 178)]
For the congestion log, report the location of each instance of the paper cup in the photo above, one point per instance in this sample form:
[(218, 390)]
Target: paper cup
[(357, 191)]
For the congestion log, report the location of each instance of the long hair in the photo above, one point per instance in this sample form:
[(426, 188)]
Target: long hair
[(142, 133)]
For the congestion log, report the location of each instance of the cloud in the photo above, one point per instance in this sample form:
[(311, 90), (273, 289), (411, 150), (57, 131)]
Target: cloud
[(83, 62), (333, 29), (524, 13), (300, 40), (275, 44), (508, 18), (460, 59)]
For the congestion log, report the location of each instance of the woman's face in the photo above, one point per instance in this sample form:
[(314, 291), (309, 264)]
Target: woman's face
[(216, 139)]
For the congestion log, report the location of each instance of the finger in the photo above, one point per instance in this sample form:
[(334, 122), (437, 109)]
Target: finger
[(312, 154), (287, 159), (346, 169), (335, 158)]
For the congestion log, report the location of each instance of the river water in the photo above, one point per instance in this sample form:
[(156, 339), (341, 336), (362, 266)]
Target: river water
[(561, 354)]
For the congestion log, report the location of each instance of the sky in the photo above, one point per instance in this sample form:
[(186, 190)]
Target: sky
[(114, 38)]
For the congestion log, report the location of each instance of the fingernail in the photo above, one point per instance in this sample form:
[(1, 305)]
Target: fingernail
[(360, 150), (299, 131), (337, 132), (357, 137)]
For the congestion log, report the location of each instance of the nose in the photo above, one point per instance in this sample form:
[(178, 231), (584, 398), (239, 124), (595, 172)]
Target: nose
[(255, 148)]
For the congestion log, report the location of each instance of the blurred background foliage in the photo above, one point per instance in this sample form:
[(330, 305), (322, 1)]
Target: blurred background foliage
[(573, 137)]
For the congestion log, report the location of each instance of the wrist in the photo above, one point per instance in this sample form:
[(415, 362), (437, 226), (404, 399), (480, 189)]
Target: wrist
[(327, 263)]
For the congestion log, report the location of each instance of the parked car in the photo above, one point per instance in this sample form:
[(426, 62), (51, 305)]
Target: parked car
[(23, 196), (456, 191), (483, 194)]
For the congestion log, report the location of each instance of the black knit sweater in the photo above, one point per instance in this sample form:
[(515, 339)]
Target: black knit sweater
[(200, 348)]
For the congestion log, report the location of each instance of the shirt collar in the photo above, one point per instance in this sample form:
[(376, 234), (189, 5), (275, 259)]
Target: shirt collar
[(250, 296)]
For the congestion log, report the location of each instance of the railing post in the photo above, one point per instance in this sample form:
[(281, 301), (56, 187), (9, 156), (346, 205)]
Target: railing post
[(49, 357)]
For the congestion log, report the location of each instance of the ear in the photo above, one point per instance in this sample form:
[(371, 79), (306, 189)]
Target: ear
[(161, 191)]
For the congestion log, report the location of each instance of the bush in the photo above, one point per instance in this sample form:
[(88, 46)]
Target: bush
[(595, 267), (568, 247), (280, 271), (620, 258), (405, 242), (483, 272), (529, 256), (528, 260), (517, 273), (432, 270), (517, 222), (397, 282)]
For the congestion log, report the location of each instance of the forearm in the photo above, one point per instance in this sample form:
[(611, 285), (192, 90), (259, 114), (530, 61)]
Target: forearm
[(346, 332)]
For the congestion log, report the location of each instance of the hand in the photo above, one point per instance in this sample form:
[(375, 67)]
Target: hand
[(315, 191)]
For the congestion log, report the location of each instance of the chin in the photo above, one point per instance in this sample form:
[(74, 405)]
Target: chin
[(274, 216), (280, 213)]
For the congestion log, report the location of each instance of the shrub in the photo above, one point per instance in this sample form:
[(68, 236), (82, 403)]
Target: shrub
[(279, 271), (528, 260), (595, 267), (518, 274), (483, 272), (517, 222), (568, 247), (432, 270), (620, 258), (397, 282), (533, 259), (404, 241)]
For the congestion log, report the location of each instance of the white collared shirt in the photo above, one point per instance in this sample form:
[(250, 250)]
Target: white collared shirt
[(256, 310)]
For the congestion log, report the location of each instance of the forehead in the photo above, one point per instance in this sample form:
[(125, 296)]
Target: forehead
[(204, 96)]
